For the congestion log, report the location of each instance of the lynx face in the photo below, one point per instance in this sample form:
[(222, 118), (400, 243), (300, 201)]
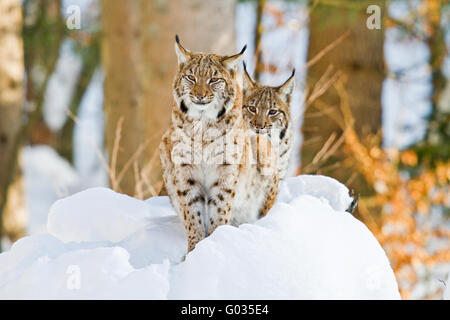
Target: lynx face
[(266, 109), (205, 83)]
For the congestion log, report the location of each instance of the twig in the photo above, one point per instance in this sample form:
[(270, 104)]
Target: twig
[(94, 145), (138, 188), (118, 134), (327, 49)]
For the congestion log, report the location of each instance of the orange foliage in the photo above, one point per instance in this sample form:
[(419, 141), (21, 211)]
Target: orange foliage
[(392, 213)]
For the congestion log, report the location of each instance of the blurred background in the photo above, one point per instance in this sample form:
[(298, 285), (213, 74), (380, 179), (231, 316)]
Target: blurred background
[(85, 95)]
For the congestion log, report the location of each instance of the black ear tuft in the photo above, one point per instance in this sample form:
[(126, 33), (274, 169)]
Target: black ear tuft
[(243, 49), (293, 73), (248, 82), (177, 39)]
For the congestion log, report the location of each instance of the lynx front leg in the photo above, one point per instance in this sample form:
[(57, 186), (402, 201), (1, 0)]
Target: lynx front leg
[(221, 197), (193, 225), (271, 196), (189, 195)]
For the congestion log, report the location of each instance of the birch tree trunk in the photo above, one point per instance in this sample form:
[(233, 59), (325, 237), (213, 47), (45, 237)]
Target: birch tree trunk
[(139, 61)]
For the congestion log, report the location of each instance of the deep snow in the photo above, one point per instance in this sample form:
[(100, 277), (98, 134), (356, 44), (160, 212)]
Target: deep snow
[(101, 244)]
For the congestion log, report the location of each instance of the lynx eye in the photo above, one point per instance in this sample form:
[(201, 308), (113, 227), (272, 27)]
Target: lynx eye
[(190, 78), (272, 112), (214, 80), (252, 109)]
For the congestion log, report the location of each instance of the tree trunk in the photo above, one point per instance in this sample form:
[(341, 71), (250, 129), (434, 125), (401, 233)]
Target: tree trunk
[(140, 63), (11, 108), (360, 58)]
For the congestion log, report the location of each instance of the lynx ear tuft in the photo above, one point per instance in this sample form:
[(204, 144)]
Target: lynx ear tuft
[(286, 89), (183, 55), (232, 62), (243, 49), (247, 82)]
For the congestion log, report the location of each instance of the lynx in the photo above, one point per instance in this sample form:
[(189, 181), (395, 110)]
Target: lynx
[(266, 112), (205, 152)]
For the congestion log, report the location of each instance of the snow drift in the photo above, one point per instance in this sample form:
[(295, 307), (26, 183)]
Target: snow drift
[(104, 245)]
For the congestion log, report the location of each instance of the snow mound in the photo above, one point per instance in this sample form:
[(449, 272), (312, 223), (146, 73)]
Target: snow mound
[(328, 190), (106, 245), (97, 214)]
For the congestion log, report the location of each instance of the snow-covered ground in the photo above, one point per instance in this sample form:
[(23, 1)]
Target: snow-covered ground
[(101, 244)]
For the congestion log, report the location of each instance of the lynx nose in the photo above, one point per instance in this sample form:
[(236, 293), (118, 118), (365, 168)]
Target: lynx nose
[(258, 127)]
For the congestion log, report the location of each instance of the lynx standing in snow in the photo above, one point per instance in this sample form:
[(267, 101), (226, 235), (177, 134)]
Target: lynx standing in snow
[(266, 111), (205, 152)]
